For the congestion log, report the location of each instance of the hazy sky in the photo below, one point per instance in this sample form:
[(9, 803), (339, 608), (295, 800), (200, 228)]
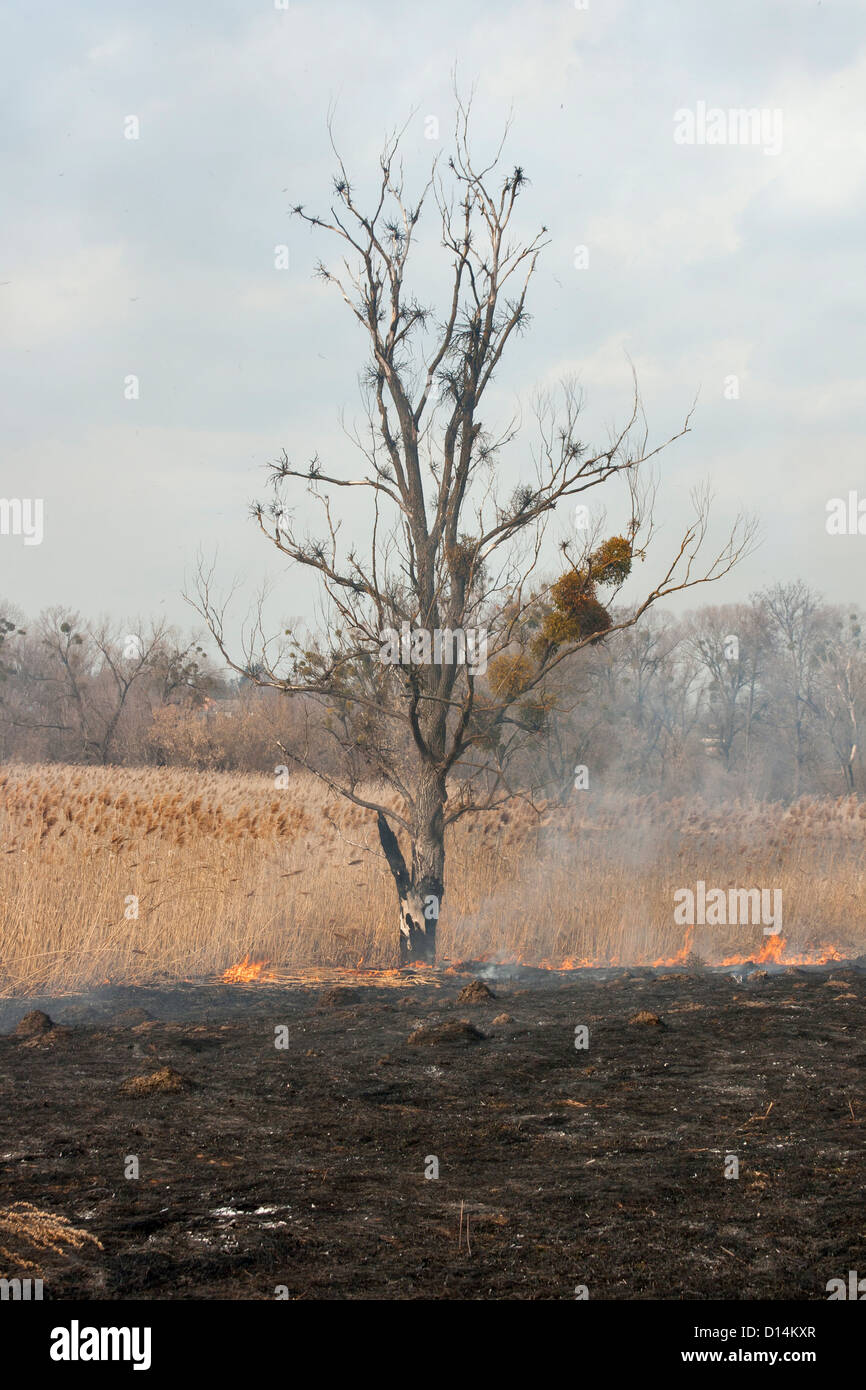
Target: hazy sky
[(155, 257)]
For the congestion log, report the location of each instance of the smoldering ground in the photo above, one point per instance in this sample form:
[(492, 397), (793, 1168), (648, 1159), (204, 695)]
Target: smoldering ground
[(299, 1171)]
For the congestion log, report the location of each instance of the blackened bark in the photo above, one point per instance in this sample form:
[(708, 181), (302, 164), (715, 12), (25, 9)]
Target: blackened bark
[(419, 892)]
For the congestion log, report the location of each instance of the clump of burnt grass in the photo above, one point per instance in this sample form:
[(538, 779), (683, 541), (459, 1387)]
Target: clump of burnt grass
[(136, 875)]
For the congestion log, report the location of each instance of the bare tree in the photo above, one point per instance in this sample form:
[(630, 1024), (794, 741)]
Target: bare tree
[(730, 645), (74, 681), (450, 583), (841, 689), (797, 623)]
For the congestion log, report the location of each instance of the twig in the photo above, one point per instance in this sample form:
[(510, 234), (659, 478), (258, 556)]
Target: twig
[(732, 1255), (752, 1118)]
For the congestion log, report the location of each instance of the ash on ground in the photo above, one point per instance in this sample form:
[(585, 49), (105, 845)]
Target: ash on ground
[(283, 1137)]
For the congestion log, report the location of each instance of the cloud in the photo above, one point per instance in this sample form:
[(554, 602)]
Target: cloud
[(59, 300), (823, 164), (156, 256)]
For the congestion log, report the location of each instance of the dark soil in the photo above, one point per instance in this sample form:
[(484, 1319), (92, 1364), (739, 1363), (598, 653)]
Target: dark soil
[(303, 1168)]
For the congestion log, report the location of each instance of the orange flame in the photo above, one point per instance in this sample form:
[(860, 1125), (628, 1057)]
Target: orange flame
[(246, 971), (682, 954), (772, 951)]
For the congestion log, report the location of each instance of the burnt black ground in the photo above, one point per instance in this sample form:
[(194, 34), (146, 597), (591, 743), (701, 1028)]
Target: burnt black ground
[(304, 1167)]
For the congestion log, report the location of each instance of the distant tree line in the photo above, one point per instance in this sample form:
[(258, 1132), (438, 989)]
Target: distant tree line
[(764, 698)]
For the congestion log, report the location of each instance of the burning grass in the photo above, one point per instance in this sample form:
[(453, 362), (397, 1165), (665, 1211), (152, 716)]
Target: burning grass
[(140, 874), (248, 972)]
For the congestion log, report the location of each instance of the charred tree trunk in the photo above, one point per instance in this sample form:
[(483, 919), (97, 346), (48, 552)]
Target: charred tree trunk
[(421, 889)]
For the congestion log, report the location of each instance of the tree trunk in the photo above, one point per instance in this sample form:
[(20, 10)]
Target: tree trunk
[(419, 891)]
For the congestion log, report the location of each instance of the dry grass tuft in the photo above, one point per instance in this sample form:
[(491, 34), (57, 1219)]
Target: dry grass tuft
[(164, 1080), (39, 1232)]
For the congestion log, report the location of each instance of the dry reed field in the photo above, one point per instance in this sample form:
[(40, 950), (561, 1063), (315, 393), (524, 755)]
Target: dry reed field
[(224, 867)]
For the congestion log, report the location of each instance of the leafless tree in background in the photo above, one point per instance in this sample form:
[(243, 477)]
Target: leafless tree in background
[(730, 646), (796, 621), (75, 681), (841, 690)]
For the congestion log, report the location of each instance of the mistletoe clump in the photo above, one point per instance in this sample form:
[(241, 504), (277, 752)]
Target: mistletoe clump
[(611, 563), (576, 613), (509, 674)]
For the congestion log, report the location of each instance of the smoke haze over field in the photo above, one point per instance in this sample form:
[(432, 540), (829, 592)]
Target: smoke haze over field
[(155, 257)]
